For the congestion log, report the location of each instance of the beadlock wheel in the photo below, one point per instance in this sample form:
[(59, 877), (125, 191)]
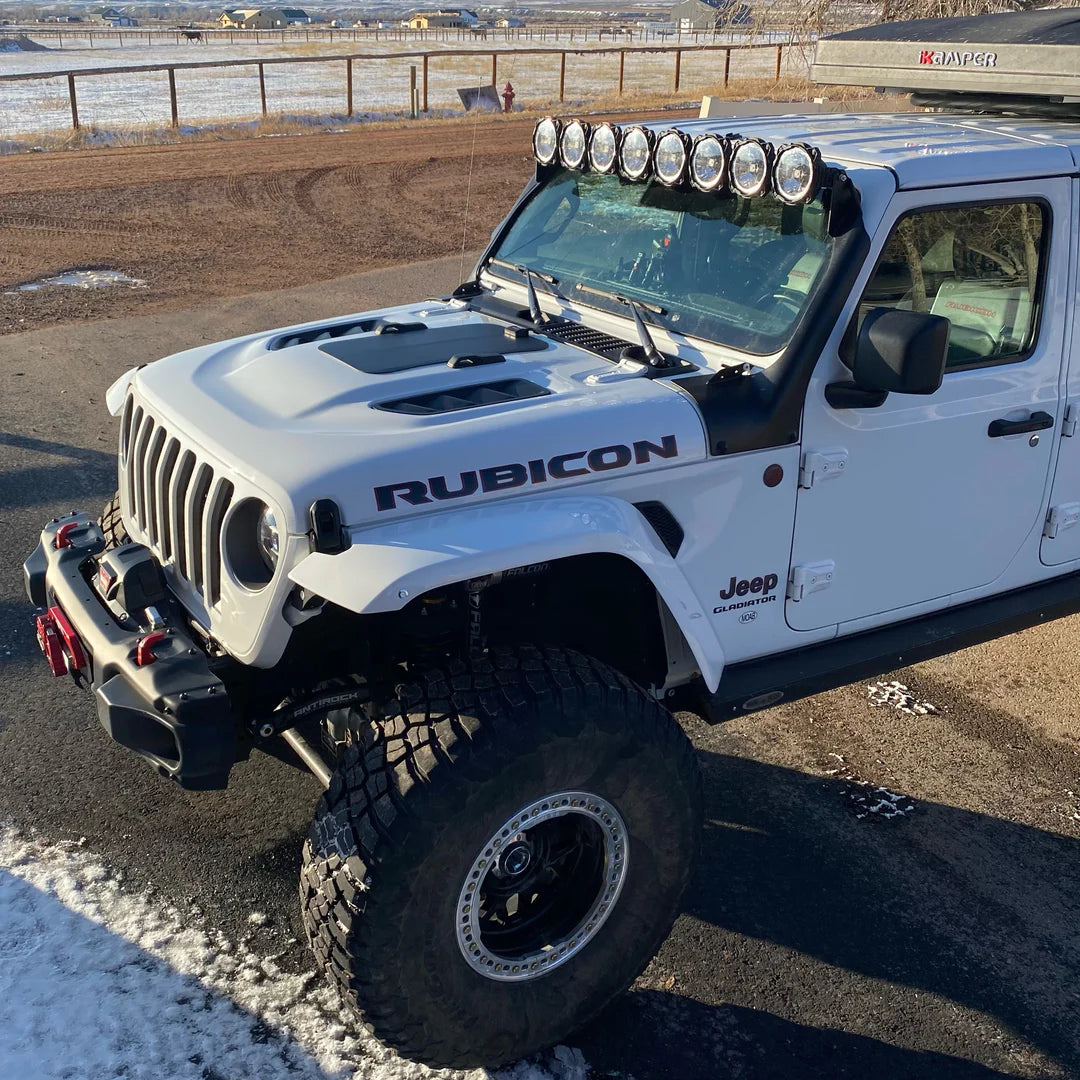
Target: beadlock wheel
[(597, 791), (546, 880)]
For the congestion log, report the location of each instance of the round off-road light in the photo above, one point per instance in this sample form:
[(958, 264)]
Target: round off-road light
[(603, 148), (708, 163), (635, 153), (572, 144), (797, 174), (546, 140), (750, 168), (669, 158)]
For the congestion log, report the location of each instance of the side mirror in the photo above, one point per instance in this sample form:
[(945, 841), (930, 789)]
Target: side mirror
[(902, 352)]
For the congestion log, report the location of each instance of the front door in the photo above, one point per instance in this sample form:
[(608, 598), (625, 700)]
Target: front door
[(927, 496)]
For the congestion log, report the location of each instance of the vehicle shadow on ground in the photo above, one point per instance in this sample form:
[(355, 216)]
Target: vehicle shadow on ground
[(664, 1035), (77, 998), (977, 910), (73, 473)]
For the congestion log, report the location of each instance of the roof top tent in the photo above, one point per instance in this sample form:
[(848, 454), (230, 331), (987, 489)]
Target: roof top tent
[(1015, 62)]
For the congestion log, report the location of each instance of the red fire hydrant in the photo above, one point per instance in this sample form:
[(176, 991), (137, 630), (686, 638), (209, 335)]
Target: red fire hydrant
[(508, 98)]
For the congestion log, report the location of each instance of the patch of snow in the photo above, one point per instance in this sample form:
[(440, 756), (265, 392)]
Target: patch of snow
[(869, 800), (897, 696), (81, 279), (96, 981)]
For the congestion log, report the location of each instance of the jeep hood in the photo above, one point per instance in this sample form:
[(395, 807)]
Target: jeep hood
[(358, 409)]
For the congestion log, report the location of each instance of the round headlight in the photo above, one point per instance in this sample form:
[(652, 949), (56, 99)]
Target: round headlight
[(546, 140), (708, 163), (750, 168), (268, 538), (603, 147), (669, 161), (634, 153), (796, 175), (572, 144)]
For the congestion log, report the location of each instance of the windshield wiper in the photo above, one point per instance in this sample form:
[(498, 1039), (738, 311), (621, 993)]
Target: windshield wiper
[(649, 352), (536, 314)]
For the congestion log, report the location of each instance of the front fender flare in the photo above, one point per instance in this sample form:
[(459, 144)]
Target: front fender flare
[(388, 565)]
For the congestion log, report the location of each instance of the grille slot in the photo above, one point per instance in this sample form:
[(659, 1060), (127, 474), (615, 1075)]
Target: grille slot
[(176, 502)]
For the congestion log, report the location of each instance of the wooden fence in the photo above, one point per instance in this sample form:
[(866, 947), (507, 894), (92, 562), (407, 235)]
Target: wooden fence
[(427, 61)]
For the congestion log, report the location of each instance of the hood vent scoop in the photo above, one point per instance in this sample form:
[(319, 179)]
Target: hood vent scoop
[(336, 330), (465, 397)]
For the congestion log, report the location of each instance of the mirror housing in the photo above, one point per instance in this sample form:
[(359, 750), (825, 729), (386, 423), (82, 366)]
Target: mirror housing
[(902, 352)]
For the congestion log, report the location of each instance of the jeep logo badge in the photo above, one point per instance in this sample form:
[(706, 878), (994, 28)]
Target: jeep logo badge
[(757, 590)]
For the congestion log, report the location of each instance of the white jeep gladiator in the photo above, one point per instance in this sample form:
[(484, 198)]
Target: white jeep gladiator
[(720, 420)]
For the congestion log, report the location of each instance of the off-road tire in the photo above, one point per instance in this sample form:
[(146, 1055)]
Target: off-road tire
[(112, 525), (410, 806)]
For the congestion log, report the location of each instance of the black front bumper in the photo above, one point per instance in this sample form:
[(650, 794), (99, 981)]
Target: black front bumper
[(172, 709)]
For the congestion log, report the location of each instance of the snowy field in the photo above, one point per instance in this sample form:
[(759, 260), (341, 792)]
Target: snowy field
[(137, 99), (98, 979)]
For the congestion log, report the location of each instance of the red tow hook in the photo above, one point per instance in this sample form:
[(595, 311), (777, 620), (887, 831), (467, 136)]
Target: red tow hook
[(59, 642), (71, 641), (62, 540), (51, 648), (144, 652)]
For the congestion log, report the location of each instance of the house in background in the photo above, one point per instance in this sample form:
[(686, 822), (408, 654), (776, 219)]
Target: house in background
[(113, 17), (234, 20), (263, 18), (509, 21), (707, 14), (449, 17)]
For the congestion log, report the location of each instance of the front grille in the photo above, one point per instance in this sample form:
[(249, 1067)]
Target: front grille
[(176, 503)]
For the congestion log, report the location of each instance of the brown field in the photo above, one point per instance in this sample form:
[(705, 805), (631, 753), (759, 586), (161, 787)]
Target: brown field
[(203, 219)]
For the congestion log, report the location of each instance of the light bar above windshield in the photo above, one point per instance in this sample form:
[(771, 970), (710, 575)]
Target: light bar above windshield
[(722, 164)]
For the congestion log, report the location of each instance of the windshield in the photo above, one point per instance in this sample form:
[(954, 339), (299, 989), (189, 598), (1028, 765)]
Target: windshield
[(739, 272)]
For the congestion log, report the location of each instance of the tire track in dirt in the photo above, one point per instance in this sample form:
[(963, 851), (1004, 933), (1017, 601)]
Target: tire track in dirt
[(236, 192), (273, 190), (305, 188), (42, 223)]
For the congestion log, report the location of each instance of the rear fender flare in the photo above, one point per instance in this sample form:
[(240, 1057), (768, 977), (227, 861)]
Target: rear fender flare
[(388, 565)]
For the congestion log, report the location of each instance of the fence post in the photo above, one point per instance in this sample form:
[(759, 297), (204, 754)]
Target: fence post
[(562, 77), (727, 65), (172, 97), (678, 68), (424, 77), (494, 69), (779, 54), (262, 88), (622, 69), (74, 104), (412, 91), (348, 83)]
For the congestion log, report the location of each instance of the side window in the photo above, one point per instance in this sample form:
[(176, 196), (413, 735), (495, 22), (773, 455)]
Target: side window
[(979, 266)]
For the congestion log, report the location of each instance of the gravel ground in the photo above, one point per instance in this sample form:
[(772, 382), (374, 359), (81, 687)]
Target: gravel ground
[(888, 885)]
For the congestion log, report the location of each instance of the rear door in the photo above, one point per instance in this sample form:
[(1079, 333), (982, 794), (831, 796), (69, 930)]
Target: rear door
[(925, 496)]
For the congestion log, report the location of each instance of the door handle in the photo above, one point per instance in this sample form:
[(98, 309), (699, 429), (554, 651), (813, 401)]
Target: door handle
[(1037, 421)]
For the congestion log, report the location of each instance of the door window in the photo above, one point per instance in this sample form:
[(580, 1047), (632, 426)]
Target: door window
[(980, 266)]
